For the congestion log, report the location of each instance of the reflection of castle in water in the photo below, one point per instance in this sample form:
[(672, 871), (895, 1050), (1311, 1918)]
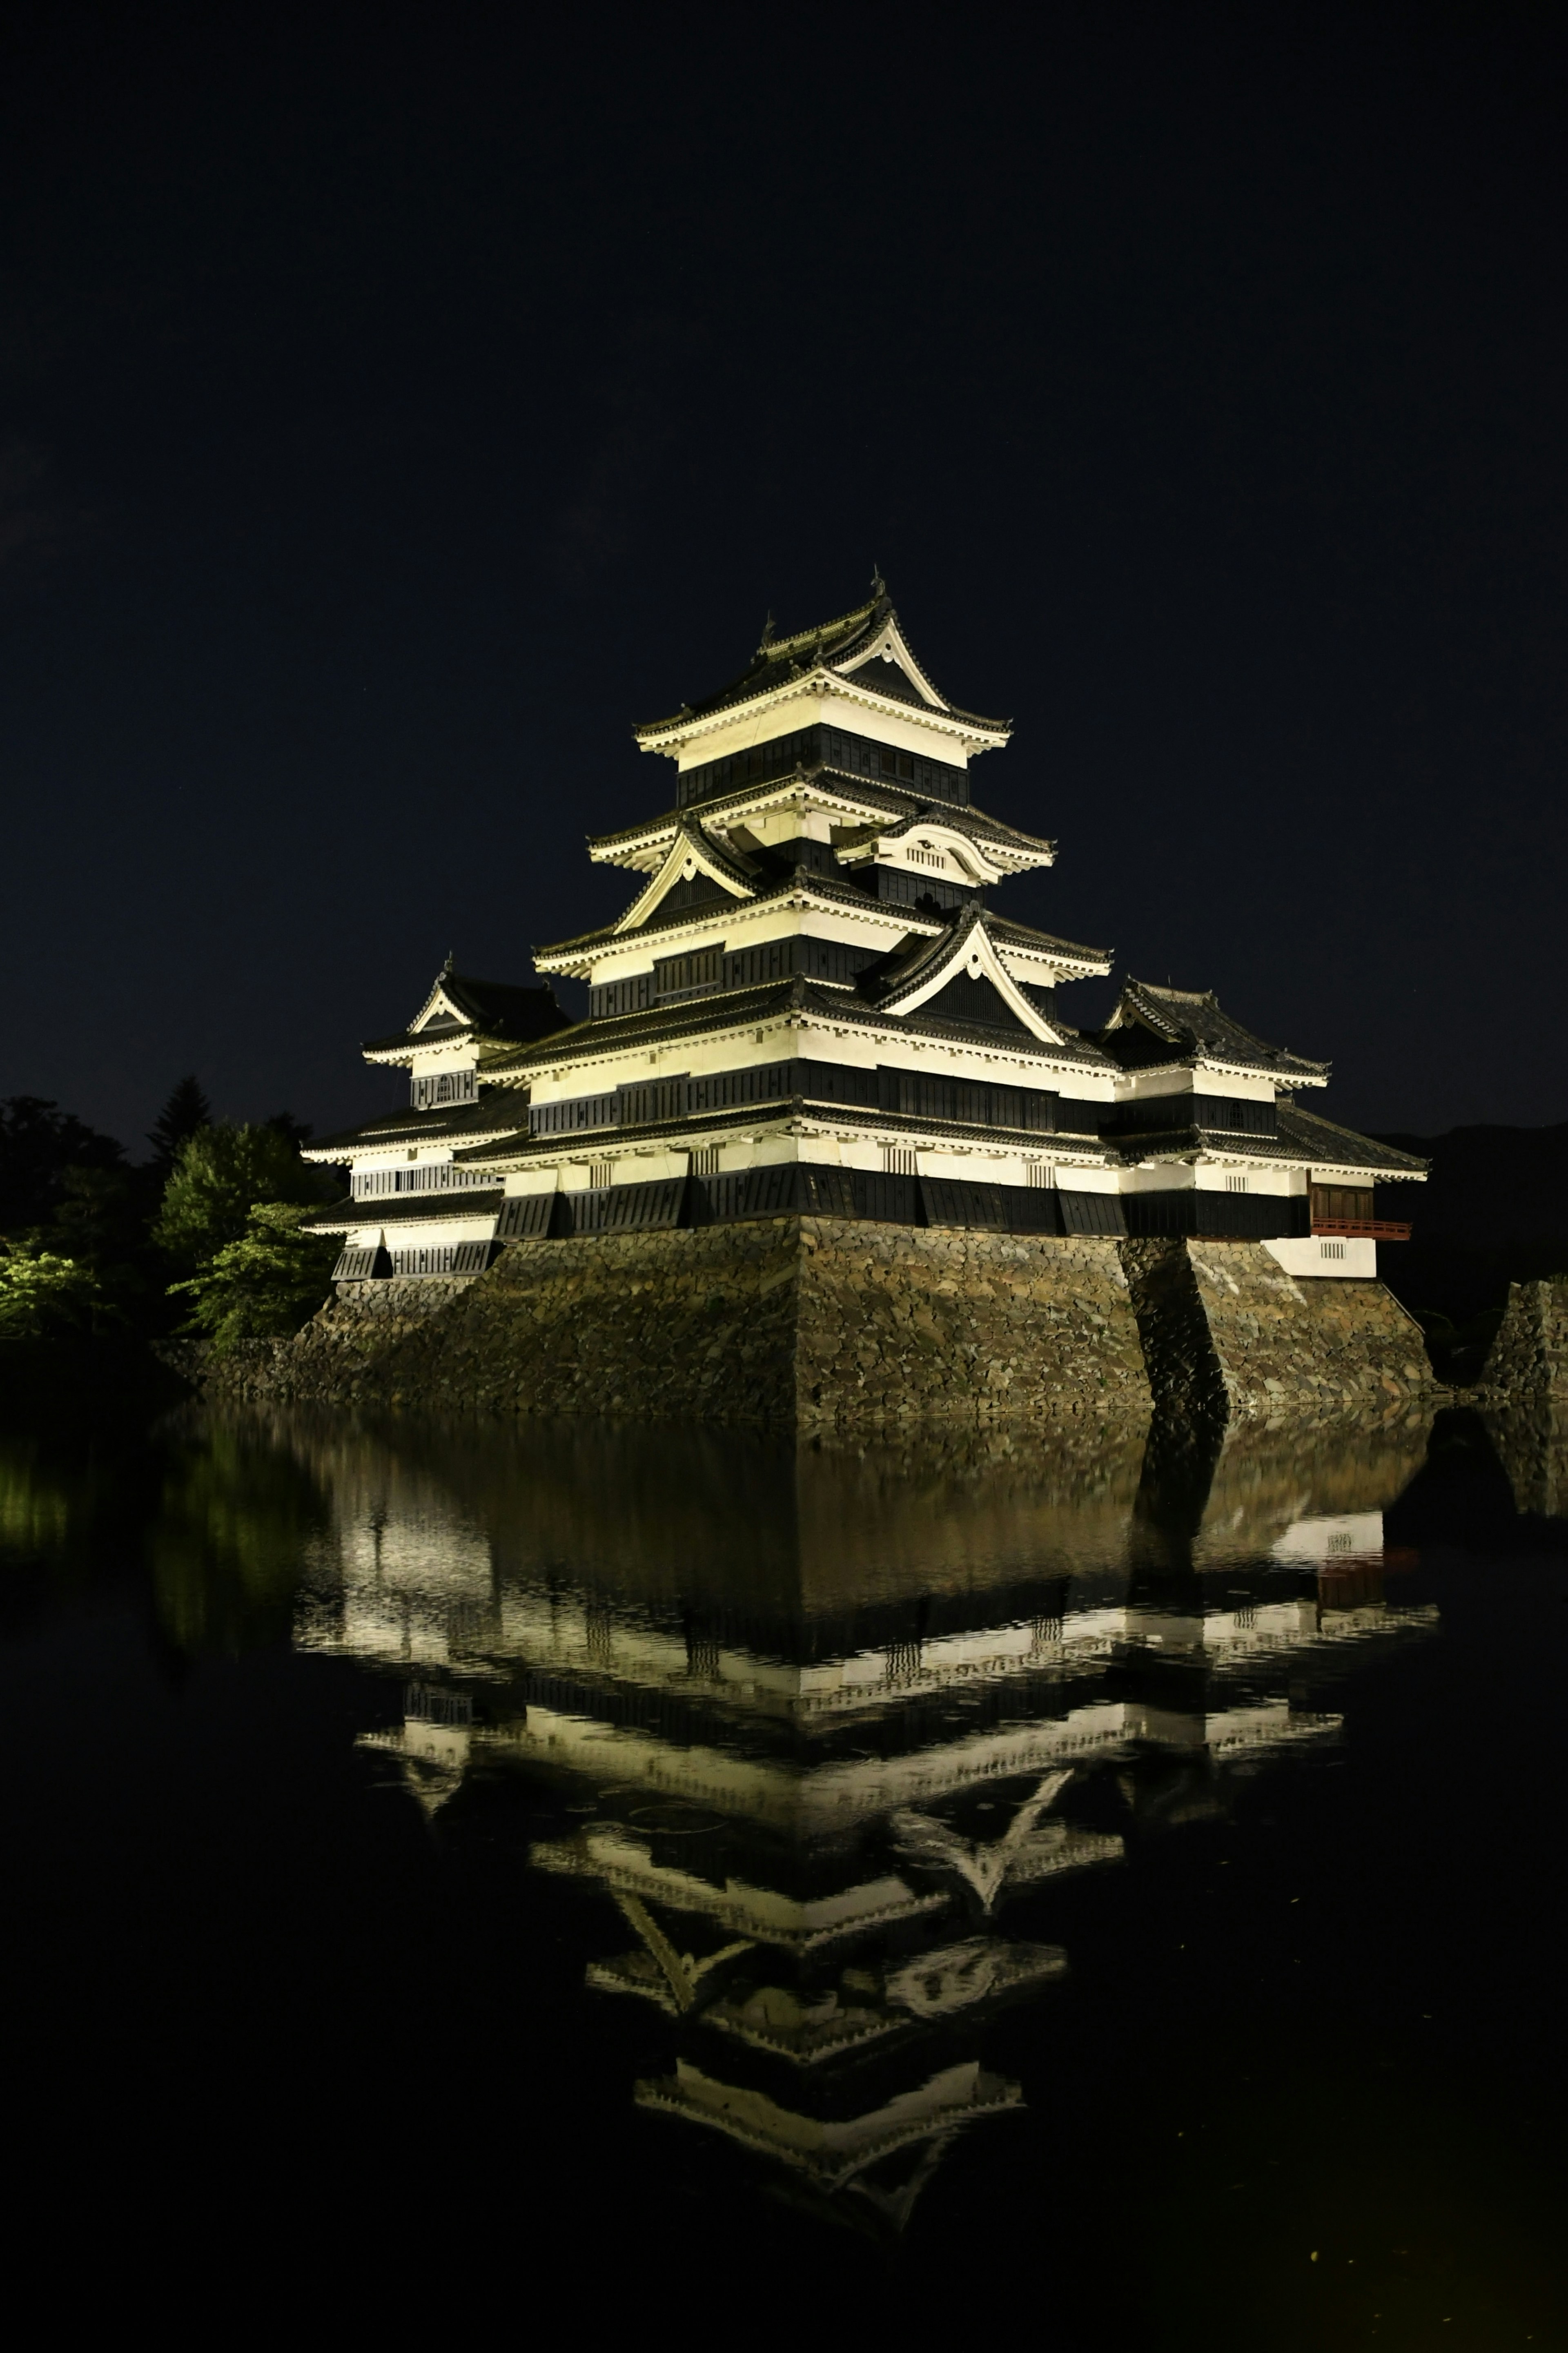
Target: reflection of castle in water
[(822, 1723)]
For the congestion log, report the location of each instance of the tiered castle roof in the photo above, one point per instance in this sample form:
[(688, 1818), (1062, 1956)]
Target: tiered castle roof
[(810, 977)]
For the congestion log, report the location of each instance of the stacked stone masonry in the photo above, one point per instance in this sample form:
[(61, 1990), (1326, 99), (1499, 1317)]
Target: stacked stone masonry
[(825, 1325), (1523, 1394)]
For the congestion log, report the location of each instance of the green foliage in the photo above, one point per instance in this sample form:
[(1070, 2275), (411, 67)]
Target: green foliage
[(43, 1296), (218, 1176), (266, 1284)]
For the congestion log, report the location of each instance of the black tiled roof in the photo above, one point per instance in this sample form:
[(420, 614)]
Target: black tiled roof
[(837, 645), (406, 1209), (486, 1117), (1153, 1026), (739, 1007), (1332, 1146), (823, 886), (1302, 1136), (1002, 928), (897, 803), (496, 1010)]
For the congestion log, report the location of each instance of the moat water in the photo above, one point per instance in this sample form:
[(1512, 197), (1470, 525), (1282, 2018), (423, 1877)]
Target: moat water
[(1104, 1890)]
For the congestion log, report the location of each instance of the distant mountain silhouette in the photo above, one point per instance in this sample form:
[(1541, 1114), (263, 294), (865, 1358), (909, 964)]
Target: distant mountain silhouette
[(1494, 1210), (1488, 1186)]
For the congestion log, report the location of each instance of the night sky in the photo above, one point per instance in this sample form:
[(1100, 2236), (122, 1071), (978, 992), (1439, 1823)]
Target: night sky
[(393, 409)]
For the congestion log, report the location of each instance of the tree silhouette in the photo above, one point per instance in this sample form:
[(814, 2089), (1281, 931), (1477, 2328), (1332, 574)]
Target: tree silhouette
[(38, 1142), (186, 1111)]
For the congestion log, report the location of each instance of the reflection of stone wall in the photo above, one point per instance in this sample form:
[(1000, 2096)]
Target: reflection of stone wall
[(1228, 1334), (837, 1324)]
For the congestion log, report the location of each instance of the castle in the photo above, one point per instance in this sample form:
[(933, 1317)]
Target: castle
[(813, 1006)]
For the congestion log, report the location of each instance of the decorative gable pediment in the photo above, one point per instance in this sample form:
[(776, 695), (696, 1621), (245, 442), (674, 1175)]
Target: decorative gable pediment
[(440, 1011), (967, 953), (887, 667), (693, 853)]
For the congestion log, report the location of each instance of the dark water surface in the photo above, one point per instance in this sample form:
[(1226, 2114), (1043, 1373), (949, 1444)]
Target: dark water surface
[(1106, 1894)]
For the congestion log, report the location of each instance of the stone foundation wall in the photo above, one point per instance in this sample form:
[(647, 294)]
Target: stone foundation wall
[(1529, 1355), (1523, 1395), (906, 1322), (784, 1322), (833, 1325), (1228, 1336)]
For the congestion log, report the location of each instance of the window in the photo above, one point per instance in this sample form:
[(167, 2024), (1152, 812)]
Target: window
[(1332, 1250), (897, 1160), (1236, 1183), (705, 1160), (600, 1173), (922, 854), (444, 1087), (1041, 1172)]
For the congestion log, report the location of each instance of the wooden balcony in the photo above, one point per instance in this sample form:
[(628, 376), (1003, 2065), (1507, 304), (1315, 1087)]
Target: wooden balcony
[(1378, 1230)]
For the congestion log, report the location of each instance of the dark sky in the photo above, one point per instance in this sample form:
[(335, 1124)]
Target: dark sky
[(394, 408)]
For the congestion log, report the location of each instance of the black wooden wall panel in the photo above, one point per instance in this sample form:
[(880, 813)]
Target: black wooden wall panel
[(954, 1201), (1233, 1217), (362, 1265), (622, 1208), (524, 1217), (1092, 1213), (890, 1200)]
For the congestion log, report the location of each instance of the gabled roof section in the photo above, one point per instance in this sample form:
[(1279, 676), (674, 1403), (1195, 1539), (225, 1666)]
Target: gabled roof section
[(988, 857), (1070, 959), (692, 853), (866, 811), (1152, 1027), (801, 888), (462, 1011), (1328, 1145), (966, 950), (591, 1042), (866, 648)]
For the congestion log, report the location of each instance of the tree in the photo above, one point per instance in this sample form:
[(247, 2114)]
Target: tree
[(266, 1284), (38, 1142), (45, 1296), (219, 1174), (187, 1111)]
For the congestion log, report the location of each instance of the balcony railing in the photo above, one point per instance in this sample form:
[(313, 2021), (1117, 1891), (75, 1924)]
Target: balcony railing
[(1378, 1230)]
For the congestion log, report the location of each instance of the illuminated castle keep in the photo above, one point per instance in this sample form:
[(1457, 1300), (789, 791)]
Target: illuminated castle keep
[(813, 1006)]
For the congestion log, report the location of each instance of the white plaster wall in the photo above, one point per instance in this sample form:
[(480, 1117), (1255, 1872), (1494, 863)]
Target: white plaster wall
[(1265, 1177), (1308, 1255), (423, 1233), (1142, 1086)]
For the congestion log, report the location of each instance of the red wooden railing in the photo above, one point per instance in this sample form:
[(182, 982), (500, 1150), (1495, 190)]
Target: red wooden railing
[(1380, 1229)]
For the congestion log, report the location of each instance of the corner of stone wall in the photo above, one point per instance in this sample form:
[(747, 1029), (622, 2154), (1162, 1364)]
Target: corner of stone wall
[(1186, 1375), (1328, 1346), (1529, 1355), (1522, 1394)]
